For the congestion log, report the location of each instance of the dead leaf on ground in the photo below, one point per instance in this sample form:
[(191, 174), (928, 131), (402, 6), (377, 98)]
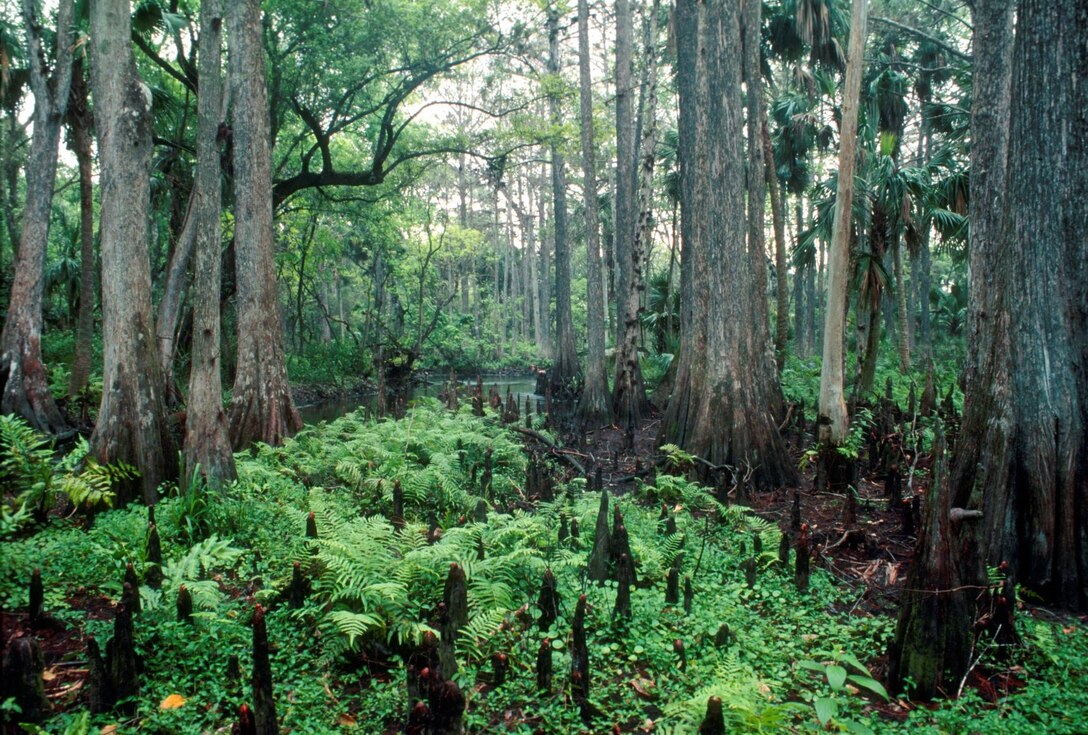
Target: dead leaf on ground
[(172, 702)]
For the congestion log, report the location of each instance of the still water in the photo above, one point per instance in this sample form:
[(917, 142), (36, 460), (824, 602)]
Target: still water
[(336, 407)]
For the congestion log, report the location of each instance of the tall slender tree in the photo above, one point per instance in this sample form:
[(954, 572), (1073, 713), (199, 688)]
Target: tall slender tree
[(131, 422), (24, 385), (81, 127), (206, 440), (593, 407), (629, 402), (833, 418), (565, 369), (261, 406)]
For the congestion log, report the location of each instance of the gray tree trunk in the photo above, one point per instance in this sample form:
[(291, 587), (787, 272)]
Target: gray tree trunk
[(781, 267), (81, 124), (206, 437), (132, 424), (593, 407), (679, 422), (623, 211), (261, 408), (731, 419), (1023, 453), (565, 369), (629, 401), (24, 383)]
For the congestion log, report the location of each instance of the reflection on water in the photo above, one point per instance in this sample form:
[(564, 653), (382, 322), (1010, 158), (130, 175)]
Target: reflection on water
[(337, 407)]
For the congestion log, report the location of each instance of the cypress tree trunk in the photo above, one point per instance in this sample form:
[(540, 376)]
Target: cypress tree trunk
[(593, 408), (81, 123), (261, 407), (565, 370), (1023, 455), (206, 440), (678, 424), (24, 384), (734, 420), (131, 418)]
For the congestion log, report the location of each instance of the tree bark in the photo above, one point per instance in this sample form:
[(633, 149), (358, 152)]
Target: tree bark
[(833, 419), (623, 211), (565, 369), (678, 424), (733, 421), (781, 267), (629, 401), (131, 423), (593, 407), (206, 439), (81, 124), (1023, 456), (261, 408), (24, 383)]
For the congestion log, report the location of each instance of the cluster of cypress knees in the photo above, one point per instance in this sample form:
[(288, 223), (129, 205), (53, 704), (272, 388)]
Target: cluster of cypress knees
[(436, 704)]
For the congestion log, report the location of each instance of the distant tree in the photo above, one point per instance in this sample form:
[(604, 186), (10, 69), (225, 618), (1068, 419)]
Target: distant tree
[(131, 424), (565, 369), (261, 405), (629, 402), (593, 408), (24, 385)]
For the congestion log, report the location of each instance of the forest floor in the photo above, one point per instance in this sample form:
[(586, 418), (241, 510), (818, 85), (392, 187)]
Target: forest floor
[(327, 683)]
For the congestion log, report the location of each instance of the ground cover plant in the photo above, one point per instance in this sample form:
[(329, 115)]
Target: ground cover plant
[(346, 536)]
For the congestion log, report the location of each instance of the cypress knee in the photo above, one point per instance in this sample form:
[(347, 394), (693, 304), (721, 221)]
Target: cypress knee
[(672, 583), (311, 526), (689, 595), (801, 565), (544, 666), (264, 706), (624, 579), (548, 600), (714, 721), (602, 542), (23, 668), (246, 724), (121, 670), (130, 590), (153, 573), (579, 655), (455, 596), (37, 599), (298, 589), (185, 605)]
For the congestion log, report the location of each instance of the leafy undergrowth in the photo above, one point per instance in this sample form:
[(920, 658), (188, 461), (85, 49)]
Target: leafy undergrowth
[(780, 660)]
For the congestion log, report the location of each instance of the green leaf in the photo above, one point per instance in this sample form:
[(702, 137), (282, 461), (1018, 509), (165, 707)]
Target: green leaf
[(826, 709), (857, 727), (836, 676), (869, 683)]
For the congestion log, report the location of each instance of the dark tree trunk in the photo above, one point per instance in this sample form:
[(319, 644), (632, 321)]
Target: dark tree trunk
[(778, 217), (732, 421), (81, 124), (933, 639), (261, 407), (593, 407), (691, 80), (206, 441), (24, 384), (565, 369), (1023, 456), (131, 423)]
